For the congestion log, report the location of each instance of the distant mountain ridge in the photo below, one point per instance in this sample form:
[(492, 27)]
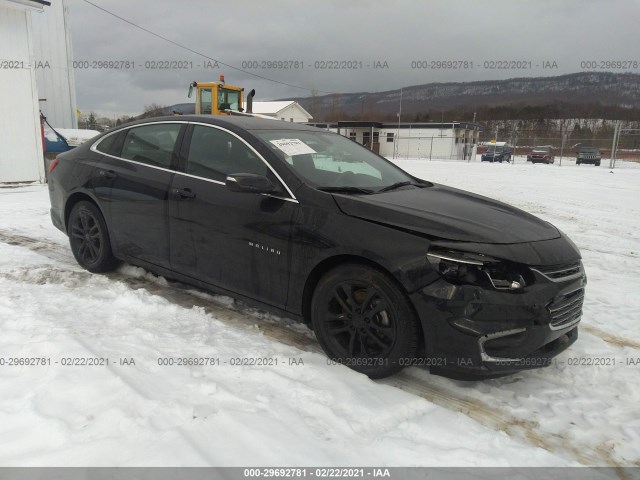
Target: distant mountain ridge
[(587, 88)]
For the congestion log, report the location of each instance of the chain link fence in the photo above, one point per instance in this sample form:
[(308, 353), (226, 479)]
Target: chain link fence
[(566, 143)]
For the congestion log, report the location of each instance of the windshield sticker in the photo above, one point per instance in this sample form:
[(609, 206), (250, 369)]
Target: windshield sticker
[(293, 146)]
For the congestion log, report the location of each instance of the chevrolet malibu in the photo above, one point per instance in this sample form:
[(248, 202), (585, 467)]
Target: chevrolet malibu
[(389, 270)]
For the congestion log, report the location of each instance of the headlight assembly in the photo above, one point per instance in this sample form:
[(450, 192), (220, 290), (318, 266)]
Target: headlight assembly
[(464, 268)]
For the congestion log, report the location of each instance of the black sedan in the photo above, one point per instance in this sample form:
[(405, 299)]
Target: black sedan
[(389, 270)]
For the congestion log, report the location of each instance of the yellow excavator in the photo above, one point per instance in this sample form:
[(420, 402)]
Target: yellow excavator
[(218, 98)]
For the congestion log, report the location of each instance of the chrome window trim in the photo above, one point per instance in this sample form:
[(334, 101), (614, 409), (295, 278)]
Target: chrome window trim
[(94, 148), (137, 163), (218, 182)]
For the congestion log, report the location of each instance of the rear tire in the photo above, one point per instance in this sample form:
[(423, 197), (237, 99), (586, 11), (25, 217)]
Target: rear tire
[(89, 238), (363, 320)]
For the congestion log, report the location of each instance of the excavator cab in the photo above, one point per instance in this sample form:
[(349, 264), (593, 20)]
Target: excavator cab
[(217, 98)]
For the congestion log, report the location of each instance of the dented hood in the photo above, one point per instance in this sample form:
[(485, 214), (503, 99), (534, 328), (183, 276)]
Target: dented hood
[(448, 213)]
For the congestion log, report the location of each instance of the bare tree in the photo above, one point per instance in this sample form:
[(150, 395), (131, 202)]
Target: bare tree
[(154, 110)]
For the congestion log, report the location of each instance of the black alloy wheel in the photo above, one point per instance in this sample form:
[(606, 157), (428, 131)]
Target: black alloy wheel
[(89, 238), (363, 320)]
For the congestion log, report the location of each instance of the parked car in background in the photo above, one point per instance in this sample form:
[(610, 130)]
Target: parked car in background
[(588, 155), (498, 153), (390, 270), (541, 155)]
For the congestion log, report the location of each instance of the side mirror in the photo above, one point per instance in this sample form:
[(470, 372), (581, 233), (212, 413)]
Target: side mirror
[(249, 183)]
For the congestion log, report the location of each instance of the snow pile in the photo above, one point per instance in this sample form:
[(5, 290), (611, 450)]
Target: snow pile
[(76, 136), (302, 411)]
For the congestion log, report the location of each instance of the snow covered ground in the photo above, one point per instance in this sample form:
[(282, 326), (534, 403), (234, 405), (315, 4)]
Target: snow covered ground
[(303, 411)]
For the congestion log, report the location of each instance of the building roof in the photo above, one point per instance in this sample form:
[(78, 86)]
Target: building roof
[(271, 107), (39, 4)]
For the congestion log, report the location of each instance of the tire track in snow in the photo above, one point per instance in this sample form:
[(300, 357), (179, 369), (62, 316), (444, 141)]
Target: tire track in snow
[(177, 293), (610, 338), (411, 380)]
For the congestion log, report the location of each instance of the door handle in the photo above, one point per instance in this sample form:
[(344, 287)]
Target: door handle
[(183, 193), (108, 174)]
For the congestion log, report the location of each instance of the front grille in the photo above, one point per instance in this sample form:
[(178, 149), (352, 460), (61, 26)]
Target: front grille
[(566, 310), (559, 272)]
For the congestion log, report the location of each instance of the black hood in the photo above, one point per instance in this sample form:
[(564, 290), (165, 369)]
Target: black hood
[(449, 213)]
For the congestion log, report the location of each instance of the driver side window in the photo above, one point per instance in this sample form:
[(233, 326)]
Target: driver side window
[(214, 154)]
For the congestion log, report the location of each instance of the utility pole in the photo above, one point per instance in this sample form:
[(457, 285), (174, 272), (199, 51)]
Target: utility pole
[(563, 137), (614, 145), (397, 147)]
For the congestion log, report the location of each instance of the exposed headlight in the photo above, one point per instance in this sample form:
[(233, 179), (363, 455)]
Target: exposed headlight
[(464, 268)]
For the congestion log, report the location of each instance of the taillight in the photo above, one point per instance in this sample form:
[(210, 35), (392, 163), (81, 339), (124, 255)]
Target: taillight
[(53, 165)]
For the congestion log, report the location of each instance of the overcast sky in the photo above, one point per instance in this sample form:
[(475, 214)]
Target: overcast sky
[(562, 33)]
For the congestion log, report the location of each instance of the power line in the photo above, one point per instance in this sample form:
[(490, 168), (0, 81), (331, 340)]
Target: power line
[(184, 47)]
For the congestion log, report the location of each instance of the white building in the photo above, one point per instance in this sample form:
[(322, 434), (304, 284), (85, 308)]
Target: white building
[(54, 65), (288, 111), (450, 141), (21, 157)]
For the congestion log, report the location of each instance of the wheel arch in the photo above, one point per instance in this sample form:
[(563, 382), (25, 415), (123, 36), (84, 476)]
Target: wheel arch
[(73, 200), (330, 263)]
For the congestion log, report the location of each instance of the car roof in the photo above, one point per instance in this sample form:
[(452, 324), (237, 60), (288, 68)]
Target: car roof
[(242, 122)]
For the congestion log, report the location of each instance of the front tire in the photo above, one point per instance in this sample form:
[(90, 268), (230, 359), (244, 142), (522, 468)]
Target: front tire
[(89, 238), (362, 319)]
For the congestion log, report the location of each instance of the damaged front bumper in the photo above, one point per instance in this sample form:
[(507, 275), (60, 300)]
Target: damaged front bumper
[(473, 332)]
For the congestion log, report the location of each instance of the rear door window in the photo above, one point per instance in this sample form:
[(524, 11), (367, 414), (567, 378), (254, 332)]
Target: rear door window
[(151, 144), (109, 144)]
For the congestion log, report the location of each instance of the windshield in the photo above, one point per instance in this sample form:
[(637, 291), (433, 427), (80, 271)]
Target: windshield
[(228, 99), (494, 149), (541, 149), (589, 149), (329, 160)]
